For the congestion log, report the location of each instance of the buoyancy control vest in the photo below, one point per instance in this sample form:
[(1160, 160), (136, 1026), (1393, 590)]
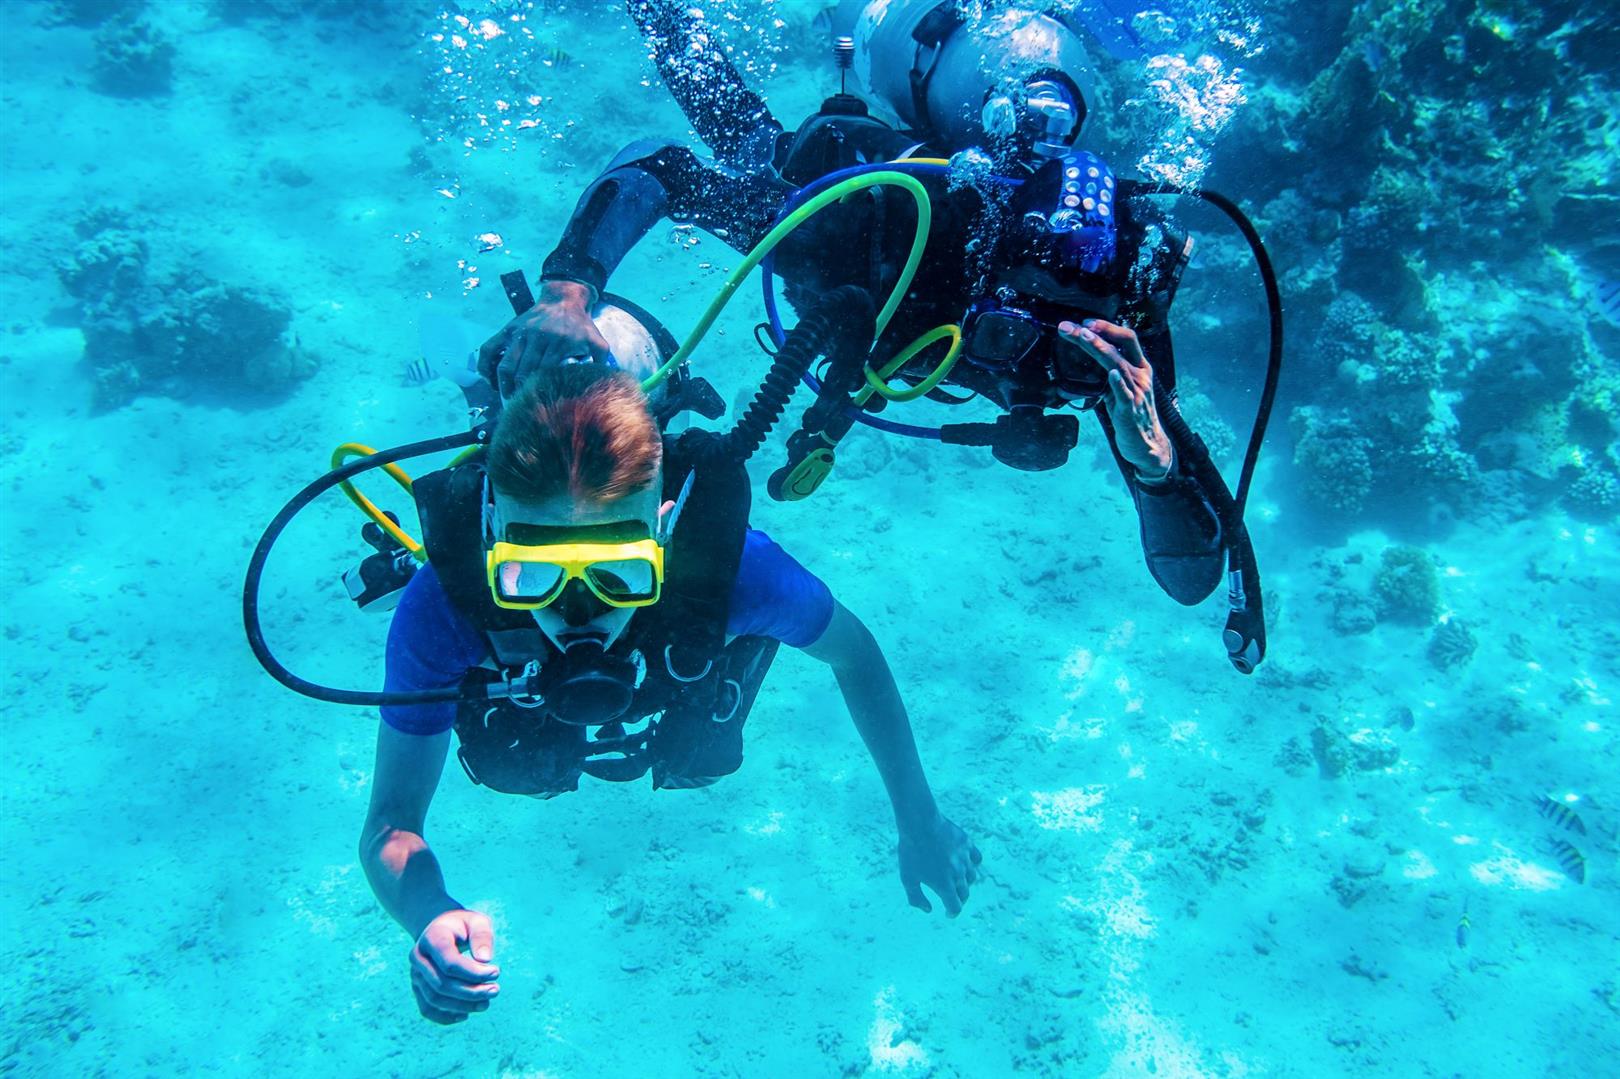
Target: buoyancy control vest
[(693, 690)]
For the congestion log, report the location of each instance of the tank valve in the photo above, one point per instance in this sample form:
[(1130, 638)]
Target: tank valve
[(843, 57)]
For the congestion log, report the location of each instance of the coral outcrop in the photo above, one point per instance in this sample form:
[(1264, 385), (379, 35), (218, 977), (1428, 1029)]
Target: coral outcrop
[(1451, 645), (1439, 199), (158, 330), (133, 59), (1407, 587)]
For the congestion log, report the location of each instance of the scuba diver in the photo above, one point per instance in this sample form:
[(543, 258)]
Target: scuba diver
[(1051, 276), (587, 598)]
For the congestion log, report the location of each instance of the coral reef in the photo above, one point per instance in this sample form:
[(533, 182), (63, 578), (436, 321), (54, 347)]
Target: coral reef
[(133, 59), (1203, 417), (1388, 431), (1406, 587), (1353, 613), (1436, 195), (1294, 757), (1595, 495), (1336, 752), (1451, 645), (1335, 460), (148, 330), (1364, 863)]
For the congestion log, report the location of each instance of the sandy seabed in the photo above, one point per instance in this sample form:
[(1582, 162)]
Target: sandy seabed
[(1161, 895)]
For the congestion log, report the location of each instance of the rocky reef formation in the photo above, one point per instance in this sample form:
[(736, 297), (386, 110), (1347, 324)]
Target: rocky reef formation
[(1435, 180), (152, 327), (133, 59)]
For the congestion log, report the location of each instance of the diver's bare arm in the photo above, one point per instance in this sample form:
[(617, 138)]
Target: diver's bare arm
[(879, 714), (403, 872)]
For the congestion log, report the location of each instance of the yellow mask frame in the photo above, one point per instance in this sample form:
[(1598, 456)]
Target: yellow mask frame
[(597, 564)]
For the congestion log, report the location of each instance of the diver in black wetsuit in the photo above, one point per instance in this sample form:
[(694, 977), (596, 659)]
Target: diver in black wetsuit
[(1060, 276)]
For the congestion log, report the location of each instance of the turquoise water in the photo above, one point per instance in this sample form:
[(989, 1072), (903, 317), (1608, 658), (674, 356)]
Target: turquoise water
[(223, 222)]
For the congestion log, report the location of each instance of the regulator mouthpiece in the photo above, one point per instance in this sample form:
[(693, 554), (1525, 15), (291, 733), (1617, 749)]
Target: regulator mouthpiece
[(586, 686)]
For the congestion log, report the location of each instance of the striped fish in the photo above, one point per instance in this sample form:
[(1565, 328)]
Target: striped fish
[(1572, 861), (1463, 925), (418, 373), (1607, 296), (1560, 814), (449, 349)]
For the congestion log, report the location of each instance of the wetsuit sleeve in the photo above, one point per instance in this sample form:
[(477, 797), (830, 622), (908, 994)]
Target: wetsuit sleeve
[(1181, 533), (733, 197), (776, 597), (646, 183), (729, 117), (430, 646)]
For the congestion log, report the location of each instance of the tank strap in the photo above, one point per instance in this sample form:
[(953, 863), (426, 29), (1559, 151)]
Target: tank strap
[(930, 33), (449, 503), (687, 627)]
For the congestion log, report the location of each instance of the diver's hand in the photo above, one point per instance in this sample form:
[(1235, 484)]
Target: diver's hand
[(557, 327), (1139, 436), (451, 984), (940, 855)]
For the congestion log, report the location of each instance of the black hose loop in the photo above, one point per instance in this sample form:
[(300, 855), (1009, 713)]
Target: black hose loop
[(1268, 278), (1245, 634), (261, 554)]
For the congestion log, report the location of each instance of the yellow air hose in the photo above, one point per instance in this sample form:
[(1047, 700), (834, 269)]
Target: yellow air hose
[(877, 381), (781, 232), (369, 508)]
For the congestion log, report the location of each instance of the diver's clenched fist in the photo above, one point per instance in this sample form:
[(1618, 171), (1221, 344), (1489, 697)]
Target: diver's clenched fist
[(451, 984), (557, 328)]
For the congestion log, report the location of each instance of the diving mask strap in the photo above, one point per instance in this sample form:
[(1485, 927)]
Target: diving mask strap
[(487, 514), (668, 530)]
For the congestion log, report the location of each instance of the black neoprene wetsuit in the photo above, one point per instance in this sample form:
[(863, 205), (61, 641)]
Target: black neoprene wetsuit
[(863, 240)]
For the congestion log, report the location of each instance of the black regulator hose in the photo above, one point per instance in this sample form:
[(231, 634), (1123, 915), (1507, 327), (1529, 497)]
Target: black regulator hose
[(838, 318), (261, 553), (1268, 278), (1245, 632)]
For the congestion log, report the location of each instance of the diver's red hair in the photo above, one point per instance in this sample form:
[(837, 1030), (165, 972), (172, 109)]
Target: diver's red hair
[(579, 430)]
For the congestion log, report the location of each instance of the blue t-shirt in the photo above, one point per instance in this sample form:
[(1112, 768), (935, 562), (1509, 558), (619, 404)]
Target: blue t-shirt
[(432, 645)]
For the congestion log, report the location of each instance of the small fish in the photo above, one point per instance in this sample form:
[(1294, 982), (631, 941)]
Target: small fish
[(448, 349), (417, 373), (1607, 296), (1572, 861), (558, 58), (1463, 925), (1560, 814)]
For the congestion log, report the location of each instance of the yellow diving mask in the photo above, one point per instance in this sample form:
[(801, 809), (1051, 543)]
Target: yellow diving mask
[(524, 577), (623, 566)]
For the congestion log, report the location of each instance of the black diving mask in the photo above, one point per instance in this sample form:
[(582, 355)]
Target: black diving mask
[(1006, 339)]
